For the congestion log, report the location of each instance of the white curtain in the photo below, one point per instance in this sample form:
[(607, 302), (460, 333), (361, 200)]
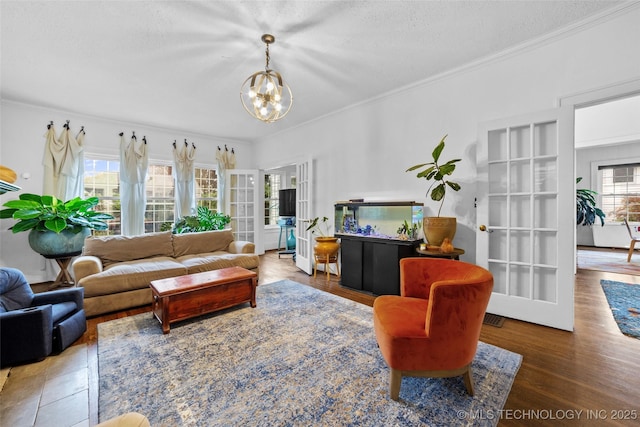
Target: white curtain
[(134, 162), (226, 160), (63, 163), (184, 175)]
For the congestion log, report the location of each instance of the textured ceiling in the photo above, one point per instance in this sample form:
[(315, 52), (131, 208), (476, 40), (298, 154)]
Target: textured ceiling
[(180, 64)]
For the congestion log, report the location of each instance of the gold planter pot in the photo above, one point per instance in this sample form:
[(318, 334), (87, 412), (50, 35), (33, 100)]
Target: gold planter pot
[(437, 228), (326, 246)]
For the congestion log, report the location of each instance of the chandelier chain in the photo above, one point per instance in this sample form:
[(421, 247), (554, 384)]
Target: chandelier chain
[(267, 57)]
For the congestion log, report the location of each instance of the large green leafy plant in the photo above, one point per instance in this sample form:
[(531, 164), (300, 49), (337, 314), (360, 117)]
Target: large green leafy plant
[(44, 213), (586, 209), (204, 220), (437, 172)]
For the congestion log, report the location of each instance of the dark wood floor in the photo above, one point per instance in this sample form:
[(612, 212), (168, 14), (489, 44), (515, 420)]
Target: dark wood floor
[(594, 369)]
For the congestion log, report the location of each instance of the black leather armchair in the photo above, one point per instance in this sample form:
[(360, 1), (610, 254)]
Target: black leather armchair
[(33, 326)]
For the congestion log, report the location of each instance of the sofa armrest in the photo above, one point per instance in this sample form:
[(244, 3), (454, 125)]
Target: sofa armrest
[(75, 295), (86, 265), (25, 334), (241, 247)]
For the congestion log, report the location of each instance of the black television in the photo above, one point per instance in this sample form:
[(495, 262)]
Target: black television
[(287, 202)]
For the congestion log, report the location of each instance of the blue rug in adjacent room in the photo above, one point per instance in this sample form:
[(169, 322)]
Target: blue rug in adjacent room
[(624, 300), (302, 357)]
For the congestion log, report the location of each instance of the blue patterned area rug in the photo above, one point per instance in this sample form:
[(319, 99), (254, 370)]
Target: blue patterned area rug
[(302, 357), (624, 300)]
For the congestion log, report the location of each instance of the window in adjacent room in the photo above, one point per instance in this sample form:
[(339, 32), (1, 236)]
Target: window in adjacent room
[(272, 185), (619, 190)]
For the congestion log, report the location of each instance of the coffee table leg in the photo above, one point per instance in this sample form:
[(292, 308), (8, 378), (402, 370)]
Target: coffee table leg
[(254, 283), (165, 315)]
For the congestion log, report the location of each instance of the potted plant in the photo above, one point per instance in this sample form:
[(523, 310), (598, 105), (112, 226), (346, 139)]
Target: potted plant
[(586, 209), (55, 227), (204, 220), (437, 228), (326, 245)]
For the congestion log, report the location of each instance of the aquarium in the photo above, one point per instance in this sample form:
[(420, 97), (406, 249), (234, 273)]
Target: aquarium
[(386, 220)]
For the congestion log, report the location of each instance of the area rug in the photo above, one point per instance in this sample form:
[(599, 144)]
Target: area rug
[(302, 357), (624, 300)]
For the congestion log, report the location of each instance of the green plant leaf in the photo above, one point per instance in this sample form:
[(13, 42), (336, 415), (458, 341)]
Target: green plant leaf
[(438, 192), (27, 213), (447, 169), (431, 174), (99, 225), (22, 204), (31, 197), (7, 213), (56, 224), (454, 185), (412, 168), (437, 151), (25, 225), (51, 201), (426, 172)]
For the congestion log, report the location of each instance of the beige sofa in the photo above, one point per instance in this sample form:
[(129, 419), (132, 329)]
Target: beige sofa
[(115, 271)]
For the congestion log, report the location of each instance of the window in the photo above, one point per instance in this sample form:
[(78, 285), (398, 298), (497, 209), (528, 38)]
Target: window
[(102, 179), (160, 197), (620, 191), (272, 186)]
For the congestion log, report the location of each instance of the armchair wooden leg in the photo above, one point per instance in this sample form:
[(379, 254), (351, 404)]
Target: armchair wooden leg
[(631, 247), (394, 383), (468, 381)]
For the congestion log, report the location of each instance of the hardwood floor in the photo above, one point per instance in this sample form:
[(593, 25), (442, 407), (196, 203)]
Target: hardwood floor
[(595, 369)]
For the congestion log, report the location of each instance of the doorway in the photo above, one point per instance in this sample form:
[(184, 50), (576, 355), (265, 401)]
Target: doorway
[(607, 152)]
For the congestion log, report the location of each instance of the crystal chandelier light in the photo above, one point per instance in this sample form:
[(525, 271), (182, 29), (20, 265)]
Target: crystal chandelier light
[(264, 94)]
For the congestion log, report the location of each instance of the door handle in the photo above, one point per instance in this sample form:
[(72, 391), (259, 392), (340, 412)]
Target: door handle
[(483, 227)]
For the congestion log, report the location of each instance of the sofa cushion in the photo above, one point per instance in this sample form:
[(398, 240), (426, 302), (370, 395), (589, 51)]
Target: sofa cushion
[(213, 261), (112, 249), (202, 242), (15, 291), (130, 275)]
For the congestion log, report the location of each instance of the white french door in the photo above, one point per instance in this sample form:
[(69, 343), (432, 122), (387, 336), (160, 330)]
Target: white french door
[(304, 199), (243, 192), (526, 215)]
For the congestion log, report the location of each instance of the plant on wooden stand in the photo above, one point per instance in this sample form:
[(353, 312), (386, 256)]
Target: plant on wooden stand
[(55, 227), (436, 229), (326, 243)]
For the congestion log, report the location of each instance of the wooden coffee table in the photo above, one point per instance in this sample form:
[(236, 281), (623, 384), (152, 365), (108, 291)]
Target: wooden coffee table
[(184, 297)]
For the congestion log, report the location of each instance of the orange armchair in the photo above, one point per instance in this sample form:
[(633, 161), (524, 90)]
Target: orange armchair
[(432, 329)]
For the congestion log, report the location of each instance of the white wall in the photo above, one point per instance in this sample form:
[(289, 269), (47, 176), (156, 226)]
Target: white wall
[(364, 151), (22, 149)]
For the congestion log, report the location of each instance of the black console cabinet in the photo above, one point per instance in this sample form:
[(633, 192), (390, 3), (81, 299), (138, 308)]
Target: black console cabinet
[(372, 264)]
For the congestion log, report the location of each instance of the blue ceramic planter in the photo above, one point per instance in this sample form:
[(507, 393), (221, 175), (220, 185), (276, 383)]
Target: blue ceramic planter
[(51, 244)]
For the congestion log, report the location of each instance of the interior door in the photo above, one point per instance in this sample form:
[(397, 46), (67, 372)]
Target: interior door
[(304, 198), (526, 215), (244, 192)]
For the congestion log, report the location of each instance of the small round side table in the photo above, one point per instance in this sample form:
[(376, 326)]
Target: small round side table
[(435, 253)]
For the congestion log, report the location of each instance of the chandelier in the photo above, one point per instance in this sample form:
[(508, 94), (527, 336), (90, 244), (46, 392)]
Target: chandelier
[(264, 94)]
